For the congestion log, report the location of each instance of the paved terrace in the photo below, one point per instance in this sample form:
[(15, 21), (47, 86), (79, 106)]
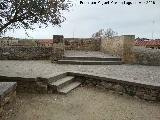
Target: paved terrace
[(42, 68)]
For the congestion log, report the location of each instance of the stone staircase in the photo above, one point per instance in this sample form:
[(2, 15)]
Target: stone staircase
[(90, 60), (62, 83)]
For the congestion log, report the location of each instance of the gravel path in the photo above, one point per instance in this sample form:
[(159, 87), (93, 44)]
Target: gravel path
[(41, 68), (82, 104)]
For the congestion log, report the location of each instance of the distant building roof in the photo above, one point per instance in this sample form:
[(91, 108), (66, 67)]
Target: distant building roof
[(141, 42), (147, 42), (45, 41), (153, 43)]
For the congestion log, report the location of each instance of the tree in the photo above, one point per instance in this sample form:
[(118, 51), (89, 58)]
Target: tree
[(105, 33), (15, 14)]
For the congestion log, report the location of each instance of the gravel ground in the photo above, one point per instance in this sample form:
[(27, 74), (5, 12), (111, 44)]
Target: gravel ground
[(42, 68), (81, 104)]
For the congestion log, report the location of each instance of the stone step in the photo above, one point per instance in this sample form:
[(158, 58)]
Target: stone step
[(81, 62), (92, 58), (69, 87), (62, 82), (56, 77)]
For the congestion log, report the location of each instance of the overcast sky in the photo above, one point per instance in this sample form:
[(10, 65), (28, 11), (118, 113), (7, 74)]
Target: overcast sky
[(142, 20)]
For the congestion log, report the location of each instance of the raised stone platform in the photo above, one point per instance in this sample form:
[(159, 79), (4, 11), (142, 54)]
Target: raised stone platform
[(7, 93), (89, 58), (97, 54), (143, 90)]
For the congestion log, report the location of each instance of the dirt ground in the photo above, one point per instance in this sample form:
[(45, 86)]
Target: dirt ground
[(83, 103)]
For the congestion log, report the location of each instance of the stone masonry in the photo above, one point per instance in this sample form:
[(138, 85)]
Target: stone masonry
[(119, 46), (146, 56), (29, 85), (7, 93), (144, 91), (28, 53), (86, 44)]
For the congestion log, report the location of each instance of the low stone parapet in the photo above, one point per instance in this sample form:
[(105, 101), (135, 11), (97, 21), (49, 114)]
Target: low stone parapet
[(146, 56), (146, 91), (143, 90), (31, 53)]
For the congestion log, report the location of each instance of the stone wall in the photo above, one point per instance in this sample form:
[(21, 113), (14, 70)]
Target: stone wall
[(142, 91), (26, 85), (124, 47), (88, 44), (119, 46), (26, 53), (113, 46), (146, 56), (57, 52)]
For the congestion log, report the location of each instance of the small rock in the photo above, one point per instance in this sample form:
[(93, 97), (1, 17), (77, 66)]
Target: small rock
[(149, 97), (118, 88)]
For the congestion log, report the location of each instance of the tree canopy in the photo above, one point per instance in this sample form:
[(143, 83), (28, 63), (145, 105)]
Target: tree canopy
[(15, 14), (105, 33)]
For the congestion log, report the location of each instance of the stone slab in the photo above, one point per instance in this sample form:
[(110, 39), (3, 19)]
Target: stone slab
[(69, 87), (7, 87), (93, 58), (51, 77), (84, 62)]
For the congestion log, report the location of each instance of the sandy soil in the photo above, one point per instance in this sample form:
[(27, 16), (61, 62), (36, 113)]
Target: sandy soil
[(82, 104)]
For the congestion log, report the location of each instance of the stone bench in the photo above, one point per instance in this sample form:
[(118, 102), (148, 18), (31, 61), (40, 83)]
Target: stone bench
[(7, 93)]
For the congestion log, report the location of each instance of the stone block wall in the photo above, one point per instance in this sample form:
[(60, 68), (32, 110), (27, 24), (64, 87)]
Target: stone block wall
[(88, 44), (119, 46), (27, 53), (57, 52), (113, 46), (145, 92), (146, 56), (128, 44), (26, 85)]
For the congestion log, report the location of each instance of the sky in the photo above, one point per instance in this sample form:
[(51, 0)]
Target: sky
[(141, 20)]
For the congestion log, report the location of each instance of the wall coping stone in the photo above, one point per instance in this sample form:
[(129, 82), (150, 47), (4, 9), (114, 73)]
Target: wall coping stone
[(49, 77)]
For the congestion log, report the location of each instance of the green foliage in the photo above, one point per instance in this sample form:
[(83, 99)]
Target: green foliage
[(15, 14)]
